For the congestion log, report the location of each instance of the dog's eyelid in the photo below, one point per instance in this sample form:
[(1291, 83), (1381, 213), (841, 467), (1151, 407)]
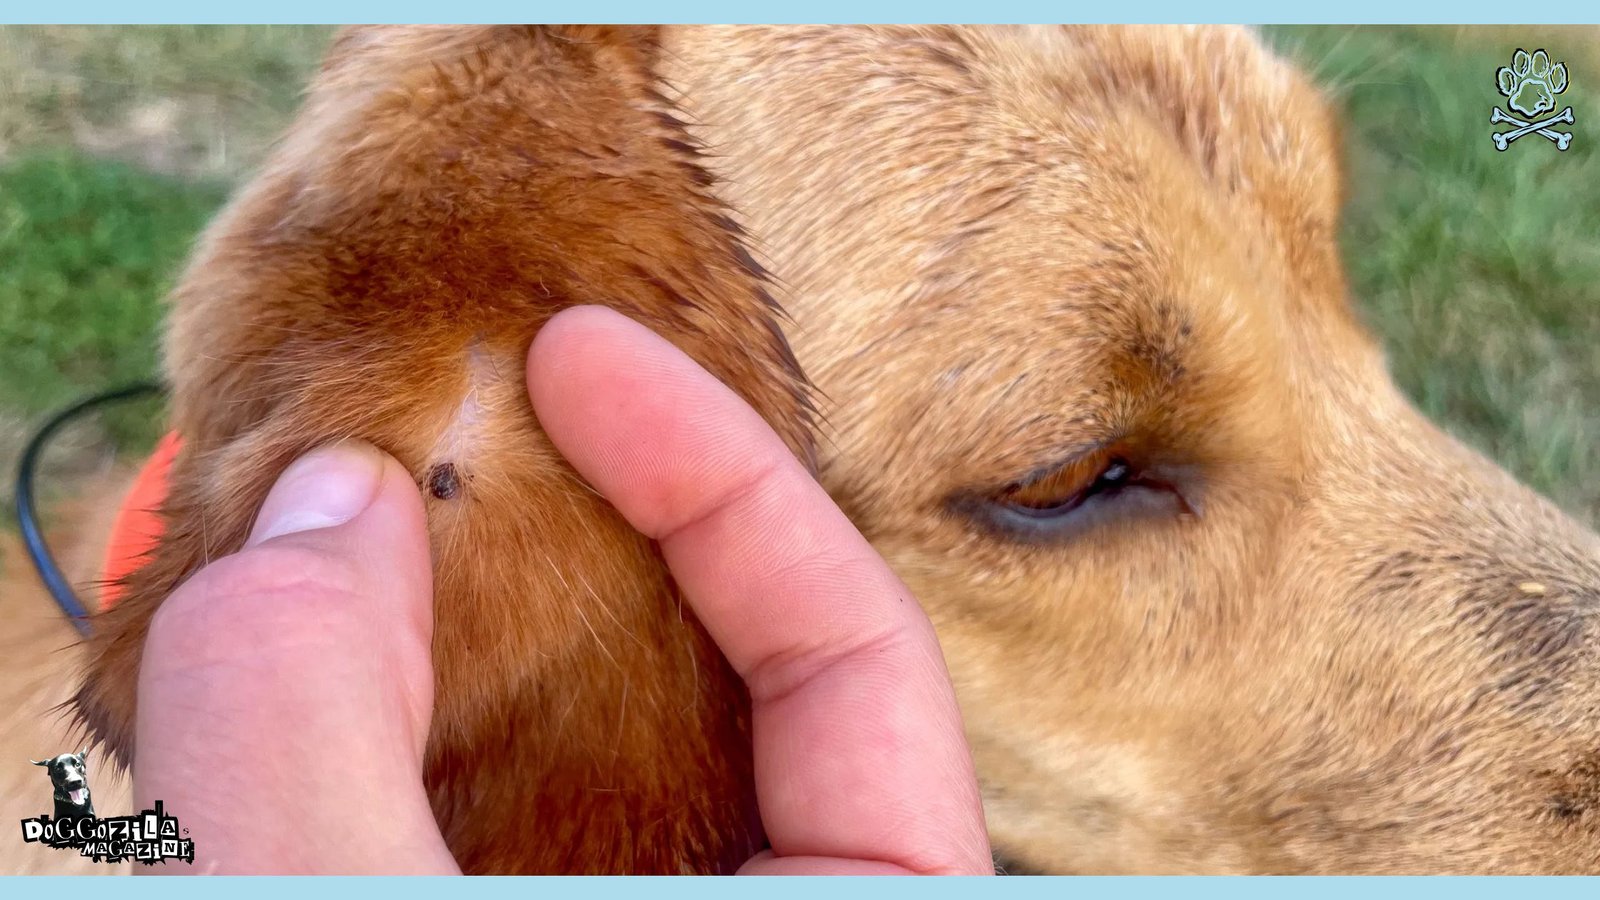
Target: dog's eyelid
[(1061, 461)]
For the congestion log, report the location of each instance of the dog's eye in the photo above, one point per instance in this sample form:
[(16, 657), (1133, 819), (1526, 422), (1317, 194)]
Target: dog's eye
[(1064, 490), (1062, 501)]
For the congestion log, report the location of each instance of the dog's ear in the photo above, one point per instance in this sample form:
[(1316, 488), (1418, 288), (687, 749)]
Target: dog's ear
[(38, 763), (442, 194), (83, 756)]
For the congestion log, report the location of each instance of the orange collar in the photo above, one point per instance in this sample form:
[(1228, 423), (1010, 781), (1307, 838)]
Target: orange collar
[(138, 523)]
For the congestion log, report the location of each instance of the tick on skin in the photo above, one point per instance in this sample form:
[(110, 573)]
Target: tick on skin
[(443, 482)]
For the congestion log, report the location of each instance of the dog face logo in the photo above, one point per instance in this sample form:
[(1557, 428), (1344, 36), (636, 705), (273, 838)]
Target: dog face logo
[(150, 837), (1530, 85), (69, 775)]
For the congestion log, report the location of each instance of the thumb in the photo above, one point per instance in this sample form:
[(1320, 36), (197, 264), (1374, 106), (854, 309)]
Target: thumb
[(286, 690)]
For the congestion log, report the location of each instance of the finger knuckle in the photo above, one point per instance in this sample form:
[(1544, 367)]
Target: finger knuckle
[(859, 659), (253, 589)]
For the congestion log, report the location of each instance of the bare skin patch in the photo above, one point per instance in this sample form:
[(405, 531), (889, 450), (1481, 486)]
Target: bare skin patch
[(464, 435)]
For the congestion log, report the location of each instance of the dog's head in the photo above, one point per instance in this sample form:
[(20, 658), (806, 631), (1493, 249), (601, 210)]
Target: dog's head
[(1214, 596), (69, 775)]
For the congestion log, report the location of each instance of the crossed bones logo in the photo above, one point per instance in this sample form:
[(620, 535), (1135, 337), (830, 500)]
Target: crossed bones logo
[(1530, 85)]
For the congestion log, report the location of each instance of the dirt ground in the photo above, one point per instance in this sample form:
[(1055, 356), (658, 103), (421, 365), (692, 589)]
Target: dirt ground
[(38, 658)]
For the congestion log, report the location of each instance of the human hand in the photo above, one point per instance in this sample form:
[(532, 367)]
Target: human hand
[(299, 666)]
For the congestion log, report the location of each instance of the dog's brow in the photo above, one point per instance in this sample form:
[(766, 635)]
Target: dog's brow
[(1159, 343)]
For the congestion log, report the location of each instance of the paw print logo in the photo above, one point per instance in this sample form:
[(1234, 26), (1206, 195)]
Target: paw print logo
[(1532, 82), (1530, 85)]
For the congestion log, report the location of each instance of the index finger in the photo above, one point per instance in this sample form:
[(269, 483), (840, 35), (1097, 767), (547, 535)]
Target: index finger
[(859, 748)]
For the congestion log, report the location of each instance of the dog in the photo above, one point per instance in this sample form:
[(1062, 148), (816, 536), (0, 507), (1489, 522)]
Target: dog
[(1065, 333), (69, 777)]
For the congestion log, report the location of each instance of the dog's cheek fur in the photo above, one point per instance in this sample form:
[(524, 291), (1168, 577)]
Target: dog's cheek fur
[(1334, 667), (443, 193)]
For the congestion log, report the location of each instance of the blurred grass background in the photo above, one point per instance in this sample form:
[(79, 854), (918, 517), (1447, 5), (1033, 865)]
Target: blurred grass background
[(1480, 269)]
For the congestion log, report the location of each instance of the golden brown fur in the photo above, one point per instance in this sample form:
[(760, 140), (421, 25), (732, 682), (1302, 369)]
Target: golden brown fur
[(1323, 637)]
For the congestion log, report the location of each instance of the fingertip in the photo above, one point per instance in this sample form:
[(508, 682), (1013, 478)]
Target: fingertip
[(570, 340), (324, 488), (340, 542), (398, 498)]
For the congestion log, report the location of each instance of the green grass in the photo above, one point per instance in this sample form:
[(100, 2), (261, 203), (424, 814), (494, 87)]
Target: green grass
[(87, 249), (1480, 269)]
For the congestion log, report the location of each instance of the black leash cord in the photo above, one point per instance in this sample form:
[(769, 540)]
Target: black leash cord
[(55, 581)]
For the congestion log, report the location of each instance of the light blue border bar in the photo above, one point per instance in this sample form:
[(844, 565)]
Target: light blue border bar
[(475, 11), (1376, 12), (667, 888)]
